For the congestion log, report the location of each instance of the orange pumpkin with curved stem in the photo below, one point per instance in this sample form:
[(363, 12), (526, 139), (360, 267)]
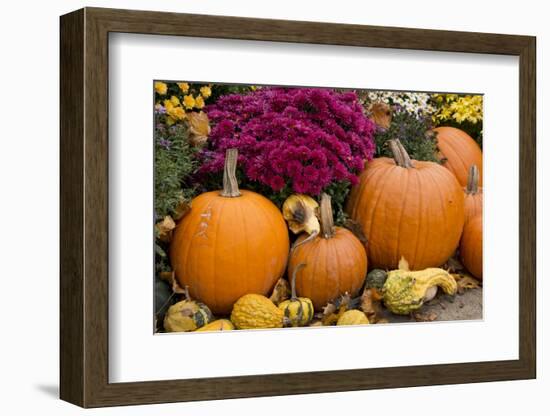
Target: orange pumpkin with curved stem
[(407, 208), (473, 198), (231, 243), (336, 261), (471, 246), (458, 151)]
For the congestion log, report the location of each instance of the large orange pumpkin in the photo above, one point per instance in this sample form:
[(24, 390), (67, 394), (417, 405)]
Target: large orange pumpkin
[(335, 261), (231, 243), (473, 198), (407, 208), (471, 246), (458, 151)]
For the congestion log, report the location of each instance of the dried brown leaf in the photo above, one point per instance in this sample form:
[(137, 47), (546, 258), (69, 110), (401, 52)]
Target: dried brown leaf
[(370, 304), (333, 310), (167, 277), (403, 264), (381, 114), (356, 229), (164, 229), (465, 282), (425, 317), (281, 291), (199, 127), (452, 265), (176, 288), (181, 210)]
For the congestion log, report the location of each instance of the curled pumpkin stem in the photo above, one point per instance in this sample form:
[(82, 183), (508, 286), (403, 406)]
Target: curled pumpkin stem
[(299, 267), (305, 240)]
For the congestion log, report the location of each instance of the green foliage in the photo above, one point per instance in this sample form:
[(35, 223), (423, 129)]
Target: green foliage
[(219, 90), (413, 132), (175, 162)]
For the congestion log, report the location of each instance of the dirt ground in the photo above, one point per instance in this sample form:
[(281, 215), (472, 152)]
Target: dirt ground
[(463, 306)]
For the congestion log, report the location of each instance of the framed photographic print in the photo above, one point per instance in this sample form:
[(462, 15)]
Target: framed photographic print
[(306, 207)]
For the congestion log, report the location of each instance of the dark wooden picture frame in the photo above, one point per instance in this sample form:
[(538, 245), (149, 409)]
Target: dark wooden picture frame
[(84, 207)]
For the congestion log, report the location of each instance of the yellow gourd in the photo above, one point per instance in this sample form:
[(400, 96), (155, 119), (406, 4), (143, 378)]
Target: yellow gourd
[(298, 311), (254, 311), (218, 325), (406, 291), (187, 315), (353, 317)]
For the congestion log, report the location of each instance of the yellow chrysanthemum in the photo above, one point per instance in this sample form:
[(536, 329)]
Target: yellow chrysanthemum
[(184, 86), (206, 92), (168, 105), (161, 88), (175, 100), (199, 102), (459, 108), (188, 101), (177, 113)]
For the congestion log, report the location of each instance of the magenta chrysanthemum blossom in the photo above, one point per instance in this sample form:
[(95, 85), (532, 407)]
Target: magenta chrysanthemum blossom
[(304, 137)]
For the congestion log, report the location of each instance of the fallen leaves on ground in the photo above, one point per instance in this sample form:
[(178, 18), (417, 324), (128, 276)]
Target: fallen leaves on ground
[(453, 265), (425, 316), (333, 310), (370, 304), (465, 282)]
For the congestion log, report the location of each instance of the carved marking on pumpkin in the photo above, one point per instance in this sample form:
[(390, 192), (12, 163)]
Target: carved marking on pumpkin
[(206, 216)]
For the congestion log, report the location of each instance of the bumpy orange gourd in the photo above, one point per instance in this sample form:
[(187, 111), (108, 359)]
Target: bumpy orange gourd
[(458, 151), (473, 198), (230, 244), (336, 261), (471, 246), (409, 209)]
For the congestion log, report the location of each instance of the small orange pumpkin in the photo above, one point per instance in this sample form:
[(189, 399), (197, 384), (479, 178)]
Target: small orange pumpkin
[(231, 243), (458, 151), (471, 246), (407, 208), (473, 198), (336, 261)]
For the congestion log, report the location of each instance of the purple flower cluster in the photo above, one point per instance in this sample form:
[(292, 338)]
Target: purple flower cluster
[(304, 137)]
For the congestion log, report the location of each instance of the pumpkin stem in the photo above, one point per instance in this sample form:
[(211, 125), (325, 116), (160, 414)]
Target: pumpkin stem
[(473, 180), (230, 185), (327, 224), (400, 155), (293, 295)]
